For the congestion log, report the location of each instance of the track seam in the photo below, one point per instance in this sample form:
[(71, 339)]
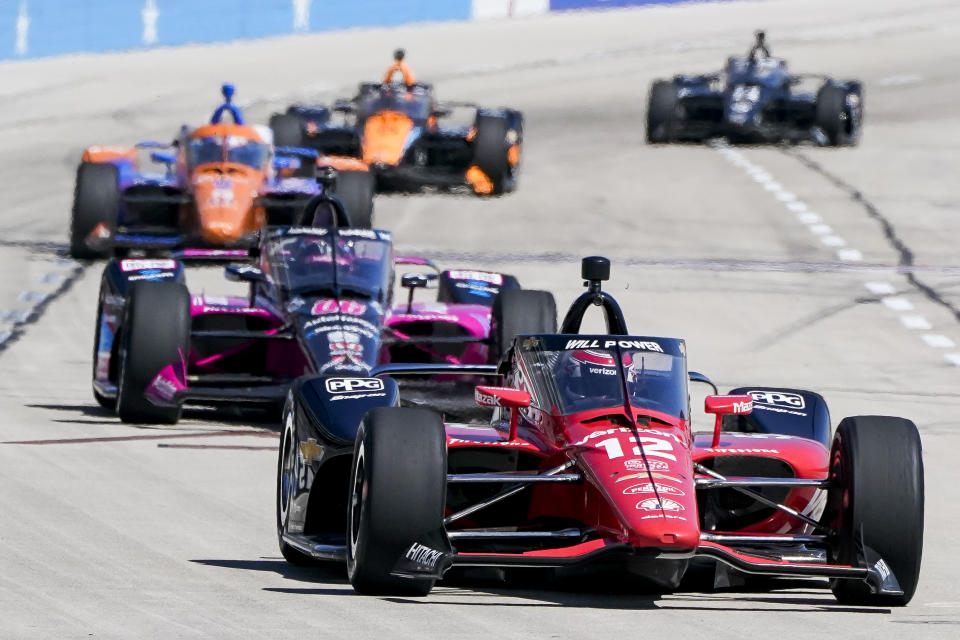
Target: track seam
[(19, 328), (905, 253)]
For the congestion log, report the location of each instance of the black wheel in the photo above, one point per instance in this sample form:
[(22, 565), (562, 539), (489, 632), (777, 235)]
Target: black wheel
[(398, 490), (96, 200), (517, 312), (102, 400), (355, 190), (876, 473), (832, 115), (156, 333), (661, 108), (288, 473), (491, 151), (287, 130)]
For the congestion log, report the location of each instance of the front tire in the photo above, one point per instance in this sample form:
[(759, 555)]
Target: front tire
[(876, 473), (96, 201), (518, 312), (398, 488), (156, 333), (661, 107)]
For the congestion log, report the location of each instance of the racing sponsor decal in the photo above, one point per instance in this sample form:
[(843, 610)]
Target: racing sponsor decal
[(350, 385), (165, 389), (358, 396), (140, 265), (647, 487), (477, 276), (348, 307), (369, 234), (654, 504), (637, 464), (646, 476), (423, 556), (495, 443), (485, 399), (604, 371), (644, 345), (669, 516), (158, 275), (778, 401)]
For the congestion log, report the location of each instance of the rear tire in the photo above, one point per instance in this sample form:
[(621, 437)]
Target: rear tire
[(398, 490), (876, 469), (355, 189), (490, 151), (517, 312), (661, 107), (287, 130), (156, 333), (832, 116), (96, 200)]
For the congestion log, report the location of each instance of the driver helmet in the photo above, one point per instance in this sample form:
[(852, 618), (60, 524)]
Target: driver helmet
[(586, 373)]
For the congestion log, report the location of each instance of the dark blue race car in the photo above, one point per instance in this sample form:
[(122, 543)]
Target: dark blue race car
[(755, 99)]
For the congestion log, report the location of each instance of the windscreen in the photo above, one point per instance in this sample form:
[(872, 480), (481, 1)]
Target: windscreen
[(587, 378), (351, 263), (237, 149), (414, 103), (770, 72)]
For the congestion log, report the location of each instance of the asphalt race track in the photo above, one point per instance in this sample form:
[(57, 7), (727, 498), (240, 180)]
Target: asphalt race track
[(779, 266)]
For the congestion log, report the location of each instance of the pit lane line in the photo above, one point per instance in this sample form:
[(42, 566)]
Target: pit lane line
[(819, 228)]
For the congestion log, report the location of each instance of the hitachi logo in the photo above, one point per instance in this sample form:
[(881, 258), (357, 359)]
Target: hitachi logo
[(423, 556)]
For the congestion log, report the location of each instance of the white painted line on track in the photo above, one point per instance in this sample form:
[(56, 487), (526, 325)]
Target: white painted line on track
[(819, 228), (938, 341), (15, 316), (897, 303), (880, 288), (954, 358), (914, 321), (849, 255)]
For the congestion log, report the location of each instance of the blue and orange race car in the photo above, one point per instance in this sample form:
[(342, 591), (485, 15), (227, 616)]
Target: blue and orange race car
[(208, 192)]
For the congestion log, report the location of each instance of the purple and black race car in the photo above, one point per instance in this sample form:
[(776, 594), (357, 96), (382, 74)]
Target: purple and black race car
[(320, 301)]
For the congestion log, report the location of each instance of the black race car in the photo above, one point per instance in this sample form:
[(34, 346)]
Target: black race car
[(755, 99)]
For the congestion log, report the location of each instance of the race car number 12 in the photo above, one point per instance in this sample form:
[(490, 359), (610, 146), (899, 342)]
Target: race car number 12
[(656, 447)]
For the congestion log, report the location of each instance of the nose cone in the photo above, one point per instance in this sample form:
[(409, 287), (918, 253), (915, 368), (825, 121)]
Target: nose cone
[(385, 137), (225, 208), (648, 486)]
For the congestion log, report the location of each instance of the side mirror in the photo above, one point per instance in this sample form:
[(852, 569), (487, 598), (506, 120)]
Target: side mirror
[(286, 162), (343, 106), (506, 397), (724, 406), (163, 157), (244, 273), (441, 112), (414, 281)]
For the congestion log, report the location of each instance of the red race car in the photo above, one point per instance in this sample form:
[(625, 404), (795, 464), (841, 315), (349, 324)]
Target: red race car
[(590, 461)]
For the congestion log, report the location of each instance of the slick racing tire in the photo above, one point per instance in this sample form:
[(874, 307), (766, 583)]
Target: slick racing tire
[(102, 400), (491, 152), (517, 312), (288, 471), (398, 488), (355, 190), (287, 130), (832, 116), (155, 333), (96, 200), (660, 111), (876, 476)]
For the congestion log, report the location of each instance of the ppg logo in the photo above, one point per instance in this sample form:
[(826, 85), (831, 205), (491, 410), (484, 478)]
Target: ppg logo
[(778, 399), (349, 385)]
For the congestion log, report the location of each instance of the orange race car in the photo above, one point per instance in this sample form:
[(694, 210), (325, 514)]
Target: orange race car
[(211, 189), (390, 136)]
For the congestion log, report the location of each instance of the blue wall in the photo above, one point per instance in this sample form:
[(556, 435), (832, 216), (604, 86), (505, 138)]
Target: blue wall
[(35, 28)]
